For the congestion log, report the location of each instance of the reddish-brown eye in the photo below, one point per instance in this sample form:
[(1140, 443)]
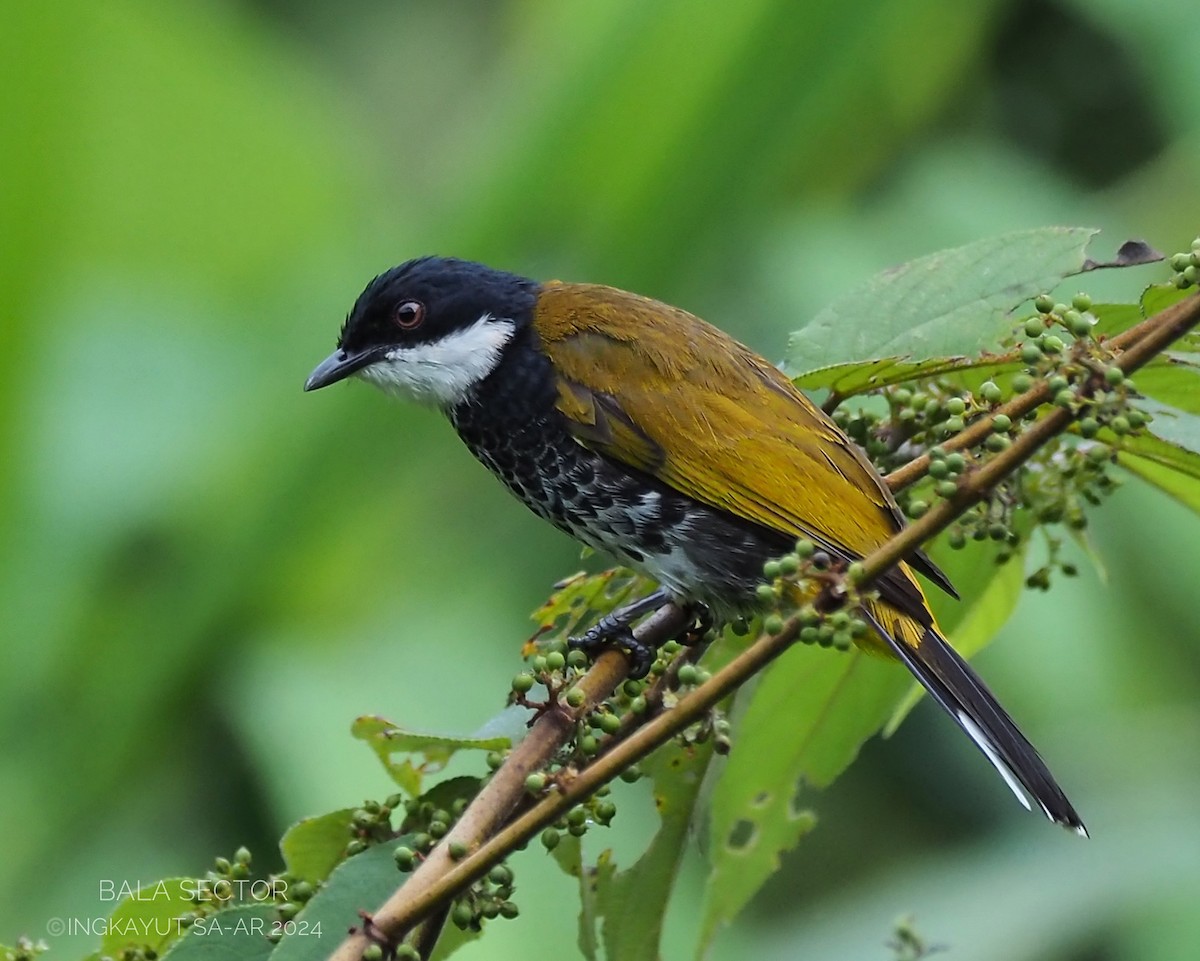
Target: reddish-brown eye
[(409, 314)]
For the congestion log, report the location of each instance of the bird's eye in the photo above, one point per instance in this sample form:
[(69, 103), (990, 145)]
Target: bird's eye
[(409, 314)]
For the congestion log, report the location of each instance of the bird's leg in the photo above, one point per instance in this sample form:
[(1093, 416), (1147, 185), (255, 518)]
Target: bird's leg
[(613, 630)]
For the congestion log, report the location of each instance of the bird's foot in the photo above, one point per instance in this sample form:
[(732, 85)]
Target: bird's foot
[(613, 631)]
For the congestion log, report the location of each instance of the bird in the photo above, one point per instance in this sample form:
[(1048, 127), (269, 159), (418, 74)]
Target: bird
[(653, 436)]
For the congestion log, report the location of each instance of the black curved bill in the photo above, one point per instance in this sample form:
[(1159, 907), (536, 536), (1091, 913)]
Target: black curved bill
[(337, 366)]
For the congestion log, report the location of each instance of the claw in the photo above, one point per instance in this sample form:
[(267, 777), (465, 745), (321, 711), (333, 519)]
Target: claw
[(610, 632)]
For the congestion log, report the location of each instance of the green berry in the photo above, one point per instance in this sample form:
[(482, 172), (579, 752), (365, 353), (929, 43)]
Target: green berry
[(771, 570), (539, 664), (955, 406), (946, 488), (953, 425), (1120, 425), (1001, 423), (1098, 454), (457, 850), (956, 462), (242, 855), (805, 549), (765, 594), (500, 875), (509, 910), (405, 858), (1060, 309), (462, 915), (632, 688), (938, 469), (1191, 274), (1065, 398), (605, 811), (555, 661), (610, 723), (1034, 327), (357, 846), (550, 839), (1022, 383), (438, 828), (1089, 427), (1081, 302), (406, 952), (372, 952), (535, 783), (576, 659), (1078, 325), (990, 392), (773, 624), (638, 705), (1052, 344), (996, 443), (631, 774), (1114, 376), (576, 815), (1044, 303), (575, 697), (789, 564), (956, 539), (522, 683), (494, 760), (1030, 353), (588, 744), (916, 508), (809, 635), (687, 674)]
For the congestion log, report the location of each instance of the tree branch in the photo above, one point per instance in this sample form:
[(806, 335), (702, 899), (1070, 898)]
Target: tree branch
[(482, 828)]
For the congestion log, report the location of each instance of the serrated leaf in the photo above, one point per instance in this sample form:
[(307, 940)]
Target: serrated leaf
[(313, 846), (831, 703), (579, 600), (149, 916), (1171, 467), (236, 934), (387, 739), (853, 378), (634, 901), (947, 304), (360, 883)]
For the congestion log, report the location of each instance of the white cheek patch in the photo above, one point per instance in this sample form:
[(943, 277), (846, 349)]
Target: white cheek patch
[(441, 373)]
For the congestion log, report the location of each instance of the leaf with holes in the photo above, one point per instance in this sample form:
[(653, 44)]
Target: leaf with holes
[(633, 902), (578, 600), (804, 724), (936, 311), (386, 740)]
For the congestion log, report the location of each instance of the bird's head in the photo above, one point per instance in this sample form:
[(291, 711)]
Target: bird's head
[(430, 330)]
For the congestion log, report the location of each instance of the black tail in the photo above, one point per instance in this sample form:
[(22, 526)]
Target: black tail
[(959, 690)]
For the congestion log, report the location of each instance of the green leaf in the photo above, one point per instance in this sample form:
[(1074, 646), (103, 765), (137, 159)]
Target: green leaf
[(580, 599), (236, 934), (387, 739), (634, 901), (804, 724), (942, 306), (149, 916), (569, 856), (1171, 468), (360, 883), (313, 846)]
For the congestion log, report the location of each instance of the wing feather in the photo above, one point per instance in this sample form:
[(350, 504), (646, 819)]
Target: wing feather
[(712, 419)]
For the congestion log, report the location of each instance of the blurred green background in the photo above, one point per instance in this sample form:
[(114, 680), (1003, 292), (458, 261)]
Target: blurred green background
[(208, 574)]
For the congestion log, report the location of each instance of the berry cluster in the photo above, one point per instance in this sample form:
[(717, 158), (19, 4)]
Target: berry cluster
[(1186, 267)]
